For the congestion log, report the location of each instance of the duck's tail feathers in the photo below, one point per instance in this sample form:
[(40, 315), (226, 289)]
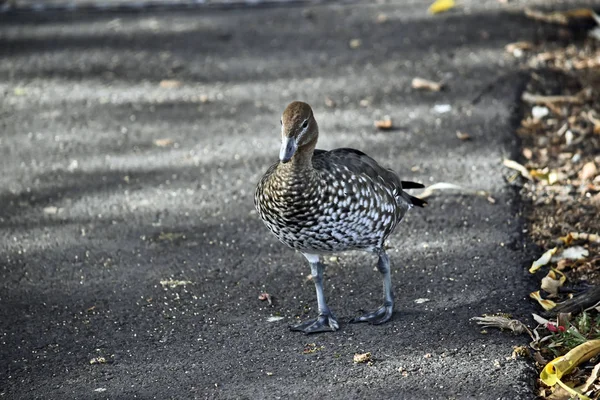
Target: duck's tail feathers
[(415, 201), (411, 185)]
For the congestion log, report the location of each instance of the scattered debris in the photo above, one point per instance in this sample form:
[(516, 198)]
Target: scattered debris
[(430, 190), (573, 236), (594, 376), (384, 124), (172, 283), (421, 301), (553, 281), (163, 142), (267, 297), (440, 6), (463, 136), (170, 84), (517, 167), (543, 260), (360, 358), (520, 351), (539, 112), (98, 360), (420, 83), (589, 171), (355, 43), (274, 318), (517, 49), (539, 99), (52, 210), (442, 108), (170, 236), (381, 18), (502, 322), (311, 348)]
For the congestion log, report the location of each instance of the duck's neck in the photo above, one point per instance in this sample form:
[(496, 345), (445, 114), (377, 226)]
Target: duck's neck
[(301, 163)]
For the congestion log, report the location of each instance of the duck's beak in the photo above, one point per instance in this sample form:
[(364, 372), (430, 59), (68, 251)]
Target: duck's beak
[(288, 148)]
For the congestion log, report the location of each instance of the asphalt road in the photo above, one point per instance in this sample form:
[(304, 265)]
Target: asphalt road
[(95, 212)]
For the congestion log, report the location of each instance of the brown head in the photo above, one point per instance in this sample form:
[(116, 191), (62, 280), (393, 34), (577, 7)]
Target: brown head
[(299, 131)]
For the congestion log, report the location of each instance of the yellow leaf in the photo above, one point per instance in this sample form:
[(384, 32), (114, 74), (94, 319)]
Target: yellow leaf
[(560, 366), (543, 260), (547, 304), (440, 6)]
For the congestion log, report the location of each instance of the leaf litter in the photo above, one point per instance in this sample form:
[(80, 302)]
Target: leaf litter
[(560, 180)]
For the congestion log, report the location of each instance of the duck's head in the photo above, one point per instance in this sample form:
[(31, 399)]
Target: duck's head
[(299, 131)]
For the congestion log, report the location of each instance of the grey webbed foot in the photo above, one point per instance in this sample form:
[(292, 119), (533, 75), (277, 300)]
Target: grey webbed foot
[(379, 316), (323, 323)]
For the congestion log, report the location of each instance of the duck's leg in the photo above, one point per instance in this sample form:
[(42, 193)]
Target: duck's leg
[(326, 320), (383, 313)]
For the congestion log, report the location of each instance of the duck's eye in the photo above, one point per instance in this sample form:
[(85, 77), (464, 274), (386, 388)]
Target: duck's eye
[(305, 124)]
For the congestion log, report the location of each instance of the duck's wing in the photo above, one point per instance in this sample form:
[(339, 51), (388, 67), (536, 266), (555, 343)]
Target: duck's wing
[(361, 164)]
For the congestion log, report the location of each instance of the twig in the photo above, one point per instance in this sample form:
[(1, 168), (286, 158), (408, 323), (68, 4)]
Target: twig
[(539, 99)]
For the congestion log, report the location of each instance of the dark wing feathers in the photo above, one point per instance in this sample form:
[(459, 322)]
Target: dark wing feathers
[(361, 164)]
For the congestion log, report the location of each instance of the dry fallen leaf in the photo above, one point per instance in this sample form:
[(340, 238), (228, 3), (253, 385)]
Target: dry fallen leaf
[(362, 358), (384, 124), (545, 303), (420, 83), (169, 84), (163, 142), (557, 368), (463, 135), (553, 281), (594, 376), (543, 260), (440, 6)]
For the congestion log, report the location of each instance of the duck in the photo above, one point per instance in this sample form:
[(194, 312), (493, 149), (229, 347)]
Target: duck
[(321, 202)]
